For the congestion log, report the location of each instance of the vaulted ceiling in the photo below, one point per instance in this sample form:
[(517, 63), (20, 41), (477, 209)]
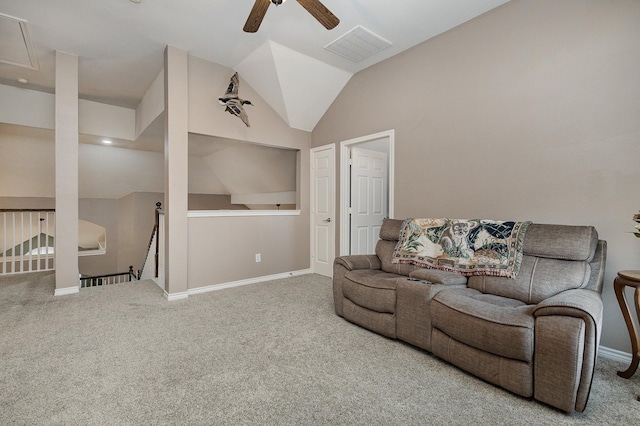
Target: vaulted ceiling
[(120, 44)]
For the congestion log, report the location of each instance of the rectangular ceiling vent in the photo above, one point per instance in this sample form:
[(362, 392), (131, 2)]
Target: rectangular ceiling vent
[(358, 44), (15, 45)]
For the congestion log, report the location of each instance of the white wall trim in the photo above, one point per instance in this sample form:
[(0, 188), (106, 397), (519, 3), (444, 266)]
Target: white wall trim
[(241, 213), (175, 296), (231, 284), (345, 192), (66, 291), (615, 354), (96, 252)]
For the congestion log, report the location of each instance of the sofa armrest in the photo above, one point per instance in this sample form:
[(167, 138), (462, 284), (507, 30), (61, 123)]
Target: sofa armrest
[(343, 265), (567, 335), (579, 303), (359, 261)]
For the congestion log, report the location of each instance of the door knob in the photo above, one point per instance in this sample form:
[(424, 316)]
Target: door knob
[(327, 220)]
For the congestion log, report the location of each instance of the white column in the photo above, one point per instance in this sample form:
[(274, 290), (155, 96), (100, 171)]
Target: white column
[(176, 172), (66, 166)]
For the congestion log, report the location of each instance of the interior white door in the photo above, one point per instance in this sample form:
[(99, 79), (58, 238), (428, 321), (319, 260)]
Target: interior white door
[(323, 210), (369, 202)]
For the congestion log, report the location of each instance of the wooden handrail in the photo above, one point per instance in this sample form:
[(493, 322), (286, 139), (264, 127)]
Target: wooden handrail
[(157, 229), (144, 262), (129, 272), (154, 233)]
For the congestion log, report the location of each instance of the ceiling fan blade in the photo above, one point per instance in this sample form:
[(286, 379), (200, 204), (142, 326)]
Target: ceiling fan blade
[(321, 13), (256, 15)]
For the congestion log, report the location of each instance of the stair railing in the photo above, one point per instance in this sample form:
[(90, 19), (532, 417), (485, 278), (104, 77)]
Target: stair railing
[(155, 237), (108, 279), (26, 240), (131, 275)]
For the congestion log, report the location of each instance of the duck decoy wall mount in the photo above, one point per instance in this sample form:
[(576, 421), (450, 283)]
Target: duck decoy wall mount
[(234, 105)]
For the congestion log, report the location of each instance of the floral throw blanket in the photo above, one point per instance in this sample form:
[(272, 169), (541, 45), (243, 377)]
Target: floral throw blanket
[(470, 247)]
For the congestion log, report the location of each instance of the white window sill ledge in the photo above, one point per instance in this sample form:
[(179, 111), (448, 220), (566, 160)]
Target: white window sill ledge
[(241, 213)]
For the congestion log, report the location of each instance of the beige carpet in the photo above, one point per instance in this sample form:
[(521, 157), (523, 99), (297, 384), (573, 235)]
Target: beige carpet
[(268, 353)]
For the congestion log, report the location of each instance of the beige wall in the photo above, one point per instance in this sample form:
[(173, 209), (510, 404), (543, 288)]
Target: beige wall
[(207, 82), (223, 249), (27, 166), (213, 202), (529, 112), (28, 203)]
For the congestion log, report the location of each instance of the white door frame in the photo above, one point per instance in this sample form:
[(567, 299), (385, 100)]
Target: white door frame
[(312, 205), (345, 190)]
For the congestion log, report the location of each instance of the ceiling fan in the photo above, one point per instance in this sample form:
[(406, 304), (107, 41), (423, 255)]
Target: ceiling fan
[(314, 7)]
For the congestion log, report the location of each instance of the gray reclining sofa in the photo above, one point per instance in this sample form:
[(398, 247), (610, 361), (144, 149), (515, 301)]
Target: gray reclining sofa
[(535, 335)]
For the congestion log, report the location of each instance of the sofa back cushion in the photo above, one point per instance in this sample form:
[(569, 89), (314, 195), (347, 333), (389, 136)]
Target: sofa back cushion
[(561, 241), (390, 230), (384, 251), (556, 258), (389, 234), (539, 279)]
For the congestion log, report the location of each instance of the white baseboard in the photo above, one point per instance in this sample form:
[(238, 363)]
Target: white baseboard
[(175, 296), (66, 291), (614, 354), (222, 286)]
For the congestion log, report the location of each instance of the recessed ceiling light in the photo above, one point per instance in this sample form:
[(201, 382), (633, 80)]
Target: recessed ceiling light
[(23, 81), (136, 1), (107, 141)]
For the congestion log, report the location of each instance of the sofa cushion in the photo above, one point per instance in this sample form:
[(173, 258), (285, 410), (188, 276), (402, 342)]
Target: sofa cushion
[(384, 250), (390, 230), (561, 241), (539, 279), (382, 323), (511, 374), (494, 324), (371, 289), (439, 277), (389, 234)]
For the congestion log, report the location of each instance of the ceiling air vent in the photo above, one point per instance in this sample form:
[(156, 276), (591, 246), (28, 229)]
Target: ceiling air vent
[(15, 43), (358, 44)]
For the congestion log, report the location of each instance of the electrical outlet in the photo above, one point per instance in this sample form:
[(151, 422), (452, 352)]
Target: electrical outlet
[(258, 258)]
